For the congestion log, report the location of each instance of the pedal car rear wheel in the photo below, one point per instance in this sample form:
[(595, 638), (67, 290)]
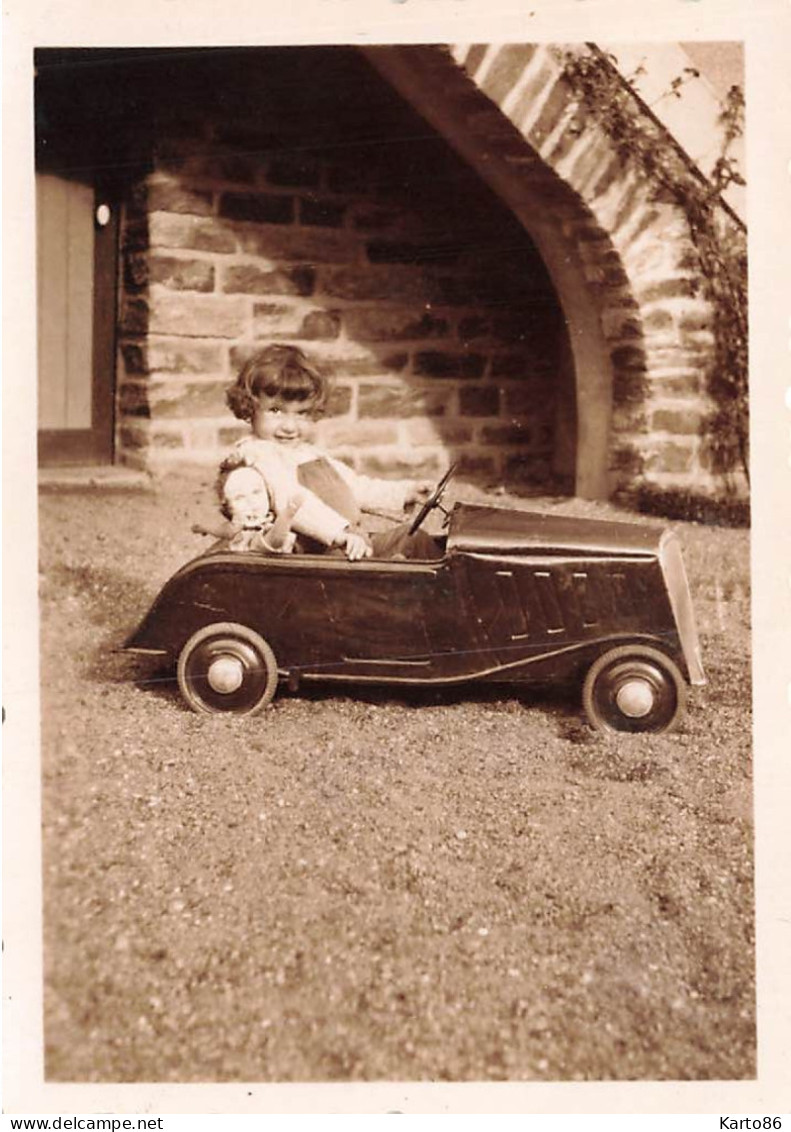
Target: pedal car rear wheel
[(227, 667), (634, 688)]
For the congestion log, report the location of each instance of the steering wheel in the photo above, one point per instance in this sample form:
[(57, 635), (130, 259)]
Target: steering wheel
[(433, 500)]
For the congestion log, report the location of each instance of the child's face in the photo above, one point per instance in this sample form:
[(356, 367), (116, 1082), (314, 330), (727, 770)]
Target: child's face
[(285, 422), (246, 496)]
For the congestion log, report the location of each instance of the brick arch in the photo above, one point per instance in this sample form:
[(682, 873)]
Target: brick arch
[(623, 264)]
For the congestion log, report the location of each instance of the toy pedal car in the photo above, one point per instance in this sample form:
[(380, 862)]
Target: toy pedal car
[(513, 596)]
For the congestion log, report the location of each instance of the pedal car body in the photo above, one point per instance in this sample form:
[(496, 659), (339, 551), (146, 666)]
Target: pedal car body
[(514, 597)]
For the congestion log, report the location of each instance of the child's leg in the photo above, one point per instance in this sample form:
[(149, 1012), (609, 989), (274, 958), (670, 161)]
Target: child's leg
[(398, 543)]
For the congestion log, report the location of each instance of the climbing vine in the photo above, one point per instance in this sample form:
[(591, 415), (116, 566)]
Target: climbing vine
[(719, 239)]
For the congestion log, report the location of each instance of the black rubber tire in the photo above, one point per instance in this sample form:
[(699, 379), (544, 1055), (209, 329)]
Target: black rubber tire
[(232, 653), (644, 675)]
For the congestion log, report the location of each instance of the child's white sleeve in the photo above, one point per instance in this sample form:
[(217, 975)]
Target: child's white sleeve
[(375, 494)]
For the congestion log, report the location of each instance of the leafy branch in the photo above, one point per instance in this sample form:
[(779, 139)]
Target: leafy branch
[(720, 243)]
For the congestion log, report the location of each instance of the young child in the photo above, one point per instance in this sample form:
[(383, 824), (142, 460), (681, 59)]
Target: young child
[(280, 393), (245, 505)]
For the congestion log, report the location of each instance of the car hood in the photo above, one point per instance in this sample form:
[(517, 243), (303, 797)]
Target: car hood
[(497, 530)]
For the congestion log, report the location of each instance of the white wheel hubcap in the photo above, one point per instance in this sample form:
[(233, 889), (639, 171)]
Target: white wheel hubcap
[(635, 698), (226, 674)]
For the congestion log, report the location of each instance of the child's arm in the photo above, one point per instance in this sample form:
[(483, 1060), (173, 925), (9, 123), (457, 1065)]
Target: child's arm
[(314, 519), (223, 529), (383, 495)]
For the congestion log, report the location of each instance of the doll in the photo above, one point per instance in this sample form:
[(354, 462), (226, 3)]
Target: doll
[(249, 523)]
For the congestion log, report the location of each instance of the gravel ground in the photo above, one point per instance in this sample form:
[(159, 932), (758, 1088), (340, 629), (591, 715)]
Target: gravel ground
[(388, 885)]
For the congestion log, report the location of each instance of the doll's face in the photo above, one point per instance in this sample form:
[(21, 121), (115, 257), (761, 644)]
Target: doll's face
[(246, 497), (286, 422)]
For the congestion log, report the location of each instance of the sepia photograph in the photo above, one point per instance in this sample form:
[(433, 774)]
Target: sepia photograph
[(395, 644)]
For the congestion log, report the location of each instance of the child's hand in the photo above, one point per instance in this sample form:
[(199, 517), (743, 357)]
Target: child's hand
[(419, 492), (355, 546)]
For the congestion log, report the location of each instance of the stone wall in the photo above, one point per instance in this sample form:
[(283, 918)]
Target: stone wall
[(391, 265)]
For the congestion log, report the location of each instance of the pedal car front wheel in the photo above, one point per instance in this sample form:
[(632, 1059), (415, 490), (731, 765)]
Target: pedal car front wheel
[(227, 667), (633, 688)]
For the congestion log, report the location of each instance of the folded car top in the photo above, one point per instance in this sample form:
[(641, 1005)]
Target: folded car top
[(497, 530)]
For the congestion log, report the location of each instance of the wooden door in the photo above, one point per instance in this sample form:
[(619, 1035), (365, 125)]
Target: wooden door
[(76, 285)]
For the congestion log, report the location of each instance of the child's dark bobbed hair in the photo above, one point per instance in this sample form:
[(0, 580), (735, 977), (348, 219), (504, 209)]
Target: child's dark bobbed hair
[(276, 371)]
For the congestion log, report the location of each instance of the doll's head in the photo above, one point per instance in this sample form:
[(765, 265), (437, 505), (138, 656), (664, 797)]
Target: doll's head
[(244, 497), (280, 393)]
